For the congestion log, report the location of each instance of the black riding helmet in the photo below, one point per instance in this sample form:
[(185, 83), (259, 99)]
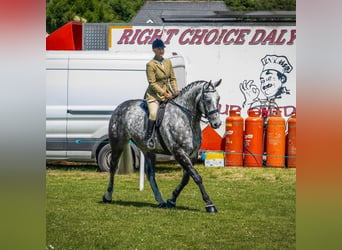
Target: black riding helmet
[(157, 43)]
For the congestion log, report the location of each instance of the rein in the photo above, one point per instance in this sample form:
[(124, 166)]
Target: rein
[(187, 111), (184, 109)]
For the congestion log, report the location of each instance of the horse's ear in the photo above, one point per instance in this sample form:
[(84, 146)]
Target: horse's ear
[(208, 84), (216, 84)]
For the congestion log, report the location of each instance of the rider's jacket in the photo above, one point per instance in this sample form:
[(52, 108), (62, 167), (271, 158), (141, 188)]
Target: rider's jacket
[(161, 79)]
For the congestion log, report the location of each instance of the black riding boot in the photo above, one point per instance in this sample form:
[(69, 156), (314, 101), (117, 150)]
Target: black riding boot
[(149, 134)]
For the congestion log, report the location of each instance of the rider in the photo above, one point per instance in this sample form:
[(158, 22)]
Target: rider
[(162, 85)]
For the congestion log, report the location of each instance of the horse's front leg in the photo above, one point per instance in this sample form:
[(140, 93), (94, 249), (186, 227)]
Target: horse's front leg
[(187, 165), (150, 161)]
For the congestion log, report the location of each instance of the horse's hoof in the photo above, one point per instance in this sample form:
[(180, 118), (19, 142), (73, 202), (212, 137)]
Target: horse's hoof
[(162, 205), (105, 200), (170, 204), (211, 209)]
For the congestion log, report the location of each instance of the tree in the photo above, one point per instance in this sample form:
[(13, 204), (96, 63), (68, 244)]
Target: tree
[(125, 10), (250, 5), (278, 4), (60, 12), (242, 5)]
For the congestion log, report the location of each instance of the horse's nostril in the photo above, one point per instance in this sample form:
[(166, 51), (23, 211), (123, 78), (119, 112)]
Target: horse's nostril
[(214, 125), (217, 124)]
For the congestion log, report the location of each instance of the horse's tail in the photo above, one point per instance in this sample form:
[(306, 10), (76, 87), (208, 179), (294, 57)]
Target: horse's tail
[(125, 165)]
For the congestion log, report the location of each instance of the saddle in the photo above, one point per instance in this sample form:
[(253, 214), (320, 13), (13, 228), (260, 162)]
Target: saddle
[(160, 112), (159, 119)]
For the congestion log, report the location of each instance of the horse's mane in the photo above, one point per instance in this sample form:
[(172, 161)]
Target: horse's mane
[(190, 86)]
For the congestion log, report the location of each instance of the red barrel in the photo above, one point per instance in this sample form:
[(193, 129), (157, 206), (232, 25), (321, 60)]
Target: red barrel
[(291, 143), (253, 139), (275, 140), (234, 139)]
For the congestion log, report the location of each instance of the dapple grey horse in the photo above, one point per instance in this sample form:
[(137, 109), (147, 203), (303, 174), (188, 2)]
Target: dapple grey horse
[(179, 135)]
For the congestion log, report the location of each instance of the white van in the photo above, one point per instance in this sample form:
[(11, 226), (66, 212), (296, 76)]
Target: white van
[(82, 90)]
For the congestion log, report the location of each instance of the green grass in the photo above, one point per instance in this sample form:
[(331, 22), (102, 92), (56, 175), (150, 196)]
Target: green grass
[(256, 210)]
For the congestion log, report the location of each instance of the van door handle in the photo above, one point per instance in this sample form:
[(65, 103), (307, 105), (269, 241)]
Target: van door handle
[(89, 112)]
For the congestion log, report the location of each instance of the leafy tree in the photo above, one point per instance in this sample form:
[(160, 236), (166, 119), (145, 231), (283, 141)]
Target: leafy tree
[(278, 4), (250, 5), (125, 10), (60, 12)]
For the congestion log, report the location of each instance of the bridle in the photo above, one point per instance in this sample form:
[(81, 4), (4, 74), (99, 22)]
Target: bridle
[(188, 112), (209, 113)]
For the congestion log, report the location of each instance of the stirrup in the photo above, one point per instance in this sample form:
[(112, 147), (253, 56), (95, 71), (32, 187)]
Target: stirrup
[(150, 143)]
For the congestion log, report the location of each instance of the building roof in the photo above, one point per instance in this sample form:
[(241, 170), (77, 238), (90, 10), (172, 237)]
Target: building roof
[(161, 11)]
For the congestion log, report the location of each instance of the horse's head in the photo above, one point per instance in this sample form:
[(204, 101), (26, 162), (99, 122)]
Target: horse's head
[(208, 103)]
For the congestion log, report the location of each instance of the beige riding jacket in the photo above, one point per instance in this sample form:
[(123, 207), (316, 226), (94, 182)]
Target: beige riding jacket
[(160, 77)]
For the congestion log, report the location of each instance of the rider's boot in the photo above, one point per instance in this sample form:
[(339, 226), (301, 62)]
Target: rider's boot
[(149, 134)]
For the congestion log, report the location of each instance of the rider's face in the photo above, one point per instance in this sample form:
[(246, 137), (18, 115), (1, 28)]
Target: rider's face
[(159, 52), (270, 82)]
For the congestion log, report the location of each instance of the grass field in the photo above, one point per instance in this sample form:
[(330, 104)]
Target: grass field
[(256, 210)]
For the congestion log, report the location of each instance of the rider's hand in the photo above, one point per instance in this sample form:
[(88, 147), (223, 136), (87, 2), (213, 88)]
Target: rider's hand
[(167, 95), (176, 93)]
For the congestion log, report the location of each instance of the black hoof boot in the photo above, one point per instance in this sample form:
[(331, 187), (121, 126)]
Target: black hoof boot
[(211, 209), (105, 200), (170, 204), (162, 205)]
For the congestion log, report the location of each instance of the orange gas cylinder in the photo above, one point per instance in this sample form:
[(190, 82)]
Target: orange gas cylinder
[(275, 140), (291, 144), (234, 139), (253, 139)]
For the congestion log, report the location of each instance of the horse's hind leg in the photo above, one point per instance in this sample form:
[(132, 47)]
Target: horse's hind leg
[(150, 161), (116, 153), (171, 203), (187, 165)]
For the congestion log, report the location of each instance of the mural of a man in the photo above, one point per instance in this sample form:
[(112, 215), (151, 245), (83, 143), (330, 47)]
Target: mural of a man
[(272, 80)]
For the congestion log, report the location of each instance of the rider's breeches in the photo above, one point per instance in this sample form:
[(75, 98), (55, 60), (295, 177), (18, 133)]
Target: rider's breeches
[(153, 108)]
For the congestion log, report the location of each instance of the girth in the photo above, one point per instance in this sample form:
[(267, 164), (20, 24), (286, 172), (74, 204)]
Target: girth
[(159, 119)]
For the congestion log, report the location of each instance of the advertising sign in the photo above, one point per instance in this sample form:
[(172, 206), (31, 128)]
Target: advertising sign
[(257, 63)]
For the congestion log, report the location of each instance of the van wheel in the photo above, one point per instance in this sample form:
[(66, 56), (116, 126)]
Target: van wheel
[(104, 157)]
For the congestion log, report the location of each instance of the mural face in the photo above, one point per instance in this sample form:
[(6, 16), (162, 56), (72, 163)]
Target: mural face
[(272, 83)]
